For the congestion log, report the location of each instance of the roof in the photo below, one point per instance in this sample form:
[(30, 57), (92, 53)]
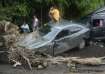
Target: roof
[(99, 14), (100, 10)]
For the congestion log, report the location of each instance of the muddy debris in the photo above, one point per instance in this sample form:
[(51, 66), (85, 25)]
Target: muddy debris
[(18, 55)]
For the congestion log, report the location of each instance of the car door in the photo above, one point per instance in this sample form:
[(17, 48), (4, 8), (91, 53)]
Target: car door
[(75, 36), (61, 42), (67, 39)]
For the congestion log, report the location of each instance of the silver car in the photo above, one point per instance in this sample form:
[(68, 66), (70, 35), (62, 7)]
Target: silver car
[(61, 38)]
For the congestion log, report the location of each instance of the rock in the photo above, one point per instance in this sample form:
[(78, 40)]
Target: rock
[(40, 67), (45, 64)]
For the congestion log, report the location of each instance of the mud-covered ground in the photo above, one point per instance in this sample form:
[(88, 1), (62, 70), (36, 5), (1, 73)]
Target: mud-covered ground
[(91, 51)]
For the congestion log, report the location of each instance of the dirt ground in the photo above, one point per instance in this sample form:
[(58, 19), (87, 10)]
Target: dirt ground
[(91, 51)]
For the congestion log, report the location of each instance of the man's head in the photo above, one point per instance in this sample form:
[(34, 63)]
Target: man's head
[(34, 16)]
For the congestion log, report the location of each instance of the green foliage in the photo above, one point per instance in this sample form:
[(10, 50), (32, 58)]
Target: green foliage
[(79, 8), (22, 10), (69, 8), (87, 6)]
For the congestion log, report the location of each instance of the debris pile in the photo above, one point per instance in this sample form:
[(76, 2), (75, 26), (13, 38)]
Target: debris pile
[(22, 56), (8, 34)]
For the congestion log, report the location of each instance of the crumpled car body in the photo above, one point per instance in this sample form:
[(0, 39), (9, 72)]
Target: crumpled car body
[(60, 38)]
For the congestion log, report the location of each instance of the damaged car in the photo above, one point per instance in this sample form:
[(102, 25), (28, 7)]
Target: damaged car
[(62, 36)]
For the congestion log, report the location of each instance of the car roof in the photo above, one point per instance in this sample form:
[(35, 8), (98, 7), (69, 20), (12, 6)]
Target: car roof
[(64, 25), (67, 25)]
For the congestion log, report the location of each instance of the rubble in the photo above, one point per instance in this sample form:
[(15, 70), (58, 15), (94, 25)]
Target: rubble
[(8, 36), (21, 56), (9, 33)]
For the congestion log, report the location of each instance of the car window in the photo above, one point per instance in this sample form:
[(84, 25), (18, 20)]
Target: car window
[(50, 35), (98, 23), (69, 31), (62, 34)]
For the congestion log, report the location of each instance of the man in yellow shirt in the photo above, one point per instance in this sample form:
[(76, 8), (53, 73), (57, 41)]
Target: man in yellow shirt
[(54, 14)]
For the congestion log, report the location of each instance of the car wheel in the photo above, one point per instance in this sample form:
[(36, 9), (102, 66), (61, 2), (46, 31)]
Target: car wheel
[(82, 44)]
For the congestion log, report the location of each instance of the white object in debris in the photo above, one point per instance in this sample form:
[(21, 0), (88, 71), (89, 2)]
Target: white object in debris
[(17, 64)]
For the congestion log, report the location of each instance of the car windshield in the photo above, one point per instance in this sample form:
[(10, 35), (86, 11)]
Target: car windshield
[(50, 35)]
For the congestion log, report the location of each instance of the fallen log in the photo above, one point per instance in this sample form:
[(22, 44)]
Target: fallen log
[(86, 61), (38, 59), (89, 61), (70, 61)]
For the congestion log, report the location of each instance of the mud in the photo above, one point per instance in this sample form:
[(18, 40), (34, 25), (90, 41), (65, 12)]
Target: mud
[(91, 51)]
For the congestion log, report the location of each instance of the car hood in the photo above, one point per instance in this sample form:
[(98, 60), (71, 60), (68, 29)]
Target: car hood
[(38, 44), (35, 43)]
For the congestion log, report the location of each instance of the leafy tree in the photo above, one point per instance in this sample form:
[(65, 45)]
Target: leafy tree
[(70, 9)]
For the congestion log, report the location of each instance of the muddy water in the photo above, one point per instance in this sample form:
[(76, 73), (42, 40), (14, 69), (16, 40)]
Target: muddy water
[(92, 51), (53, 69)]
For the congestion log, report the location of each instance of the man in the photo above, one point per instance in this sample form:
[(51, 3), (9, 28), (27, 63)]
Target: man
[(25, 27), (54, 14), (35, 23)]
